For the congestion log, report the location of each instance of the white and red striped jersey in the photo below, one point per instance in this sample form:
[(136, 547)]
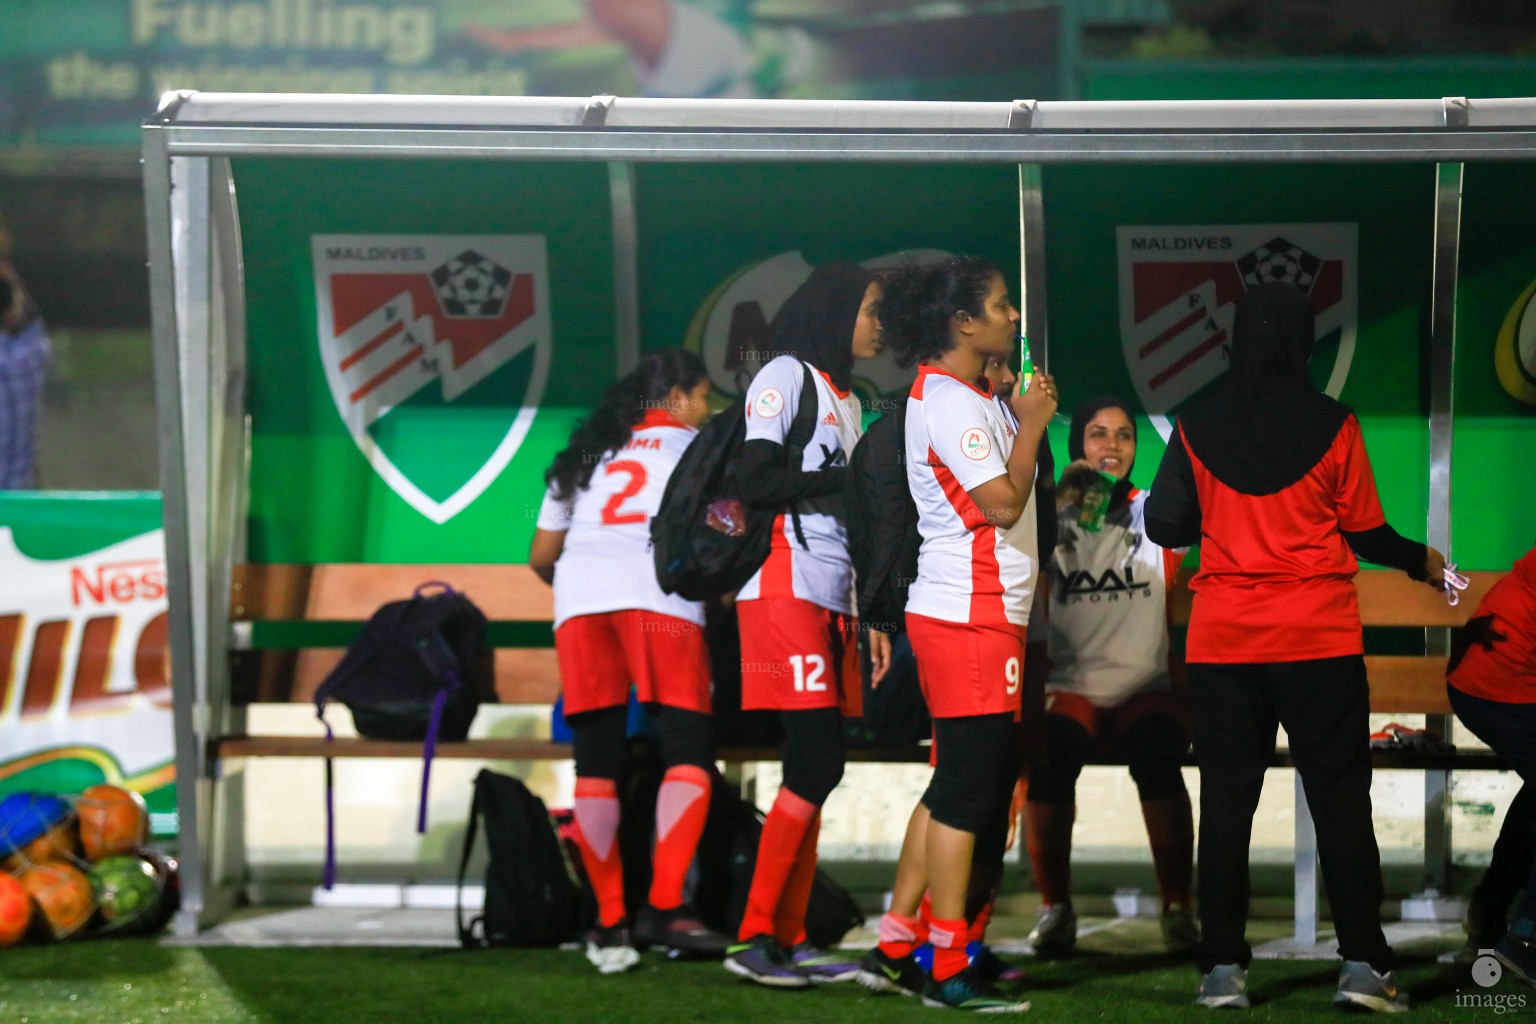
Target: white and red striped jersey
[(821, 571), (1109, 607), (606, 564), (968, 570)]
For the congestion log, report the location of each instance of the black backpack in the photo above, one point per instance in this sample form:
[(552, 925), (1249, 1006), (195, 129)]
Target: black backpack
[(883, 539), (533, 895), (693, 559), (883, 542), (417, 671)]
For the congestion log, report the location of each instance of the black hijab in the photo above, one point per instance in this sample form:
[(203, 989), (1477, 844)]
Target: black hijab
[(1082, 415), (816, 322), (1263, 426)]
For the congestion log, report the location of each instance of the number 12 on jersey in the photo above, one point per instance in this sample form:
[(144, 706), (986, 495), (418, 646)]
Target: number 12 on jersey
[(809, 669)]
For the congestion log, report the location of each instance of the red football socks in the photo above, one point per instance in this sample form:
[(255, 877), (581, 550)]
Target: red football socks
[(948, 938), (682, 804), (900, 935), (597, 836), (777, 853), (977, 931), (789, 921)]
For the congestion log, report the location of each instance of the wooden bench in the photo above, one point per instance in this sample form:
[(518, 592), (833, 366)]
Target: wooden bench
[(292, 623)]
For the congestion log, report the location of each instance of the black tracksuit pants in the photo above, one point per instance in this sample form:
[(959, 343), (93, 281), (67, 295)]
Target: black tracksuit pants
[(1323, 704)]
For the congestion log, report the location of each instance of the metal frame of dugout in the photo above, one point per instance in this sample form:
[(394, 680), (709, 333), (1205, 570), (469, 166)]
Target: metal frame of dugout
[(199, 314)]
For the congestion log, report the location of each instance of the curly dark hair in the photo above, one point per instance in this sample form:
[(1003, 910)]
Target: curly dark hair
[(623, 405), (920, 301)]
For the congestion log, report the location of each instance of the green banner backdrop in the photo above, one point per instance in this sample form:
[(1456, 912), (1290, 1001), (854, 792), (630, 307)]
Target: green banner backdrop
[(1493, 519), (314, 495), (330, 251), (1142, 264), (721, 247), (1390, 208)]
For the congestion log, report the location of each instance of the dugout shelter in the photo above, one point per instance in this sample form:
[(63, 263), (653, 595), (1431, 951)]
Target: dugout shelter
[(273, 220)]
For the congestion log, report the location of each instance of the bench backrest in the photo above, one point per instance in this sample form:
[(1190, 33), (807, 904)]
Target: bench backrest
[(1400, 684), (285, 664)]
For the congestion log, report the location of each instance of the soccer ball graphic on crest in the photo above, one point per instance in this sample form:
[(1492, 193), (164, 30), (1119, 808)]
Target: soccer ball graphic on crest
[(472, 285), (1279, 260)]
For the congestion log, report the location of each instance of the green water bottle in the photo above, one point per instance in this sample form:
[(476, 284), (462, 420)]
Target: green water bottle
[(1095, 500), (1026, 361)]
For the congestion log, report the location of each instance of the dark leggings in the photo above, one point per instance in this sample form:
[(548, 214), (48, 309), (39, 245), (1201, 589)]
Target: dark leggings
[(1324, 704), (813, 753), (598, 739), (1510, 730), (1153, 746), (971, 781)]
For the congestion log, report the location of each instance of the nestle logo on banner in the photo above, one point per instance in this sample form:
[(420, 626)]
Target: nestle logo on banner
[(117, 582)]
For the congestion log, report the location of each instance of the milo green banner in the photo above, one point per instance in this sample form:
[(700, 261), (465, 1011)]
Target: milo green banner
[(722, 247), (92, 76), (83, 647)]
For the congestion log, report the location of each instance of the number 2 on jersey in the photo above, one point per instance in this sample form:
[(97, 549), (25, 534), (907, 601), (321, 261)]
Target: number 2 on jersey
[(809, 683), (611, 514)]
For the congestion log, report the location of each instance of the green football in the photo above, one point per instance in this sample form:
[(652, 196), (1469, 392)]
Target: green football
[(127, 890)]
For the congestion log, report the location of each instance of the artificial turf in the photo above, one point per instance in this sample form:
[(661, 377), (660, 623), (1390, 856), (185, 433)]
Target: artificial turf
[(138, 981)]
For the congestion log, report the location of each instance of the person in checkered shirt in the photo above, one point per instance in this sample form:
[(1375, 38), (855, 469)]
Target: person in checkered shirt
[(24, 356)]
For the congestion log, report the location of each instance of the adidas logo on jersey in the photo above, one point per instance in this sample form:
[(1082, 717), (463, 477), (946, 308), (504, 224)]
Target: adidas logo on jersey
[(830, 421)]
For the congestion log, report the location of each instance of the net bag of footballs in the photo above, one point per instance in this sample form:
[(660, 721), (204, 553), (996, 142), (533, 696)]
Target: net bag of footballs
[(81, 867)]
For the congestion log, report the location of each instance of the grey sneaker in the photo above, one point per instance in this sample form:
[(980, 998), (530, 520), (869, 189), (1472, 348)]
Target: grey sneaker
[(1055, 929), (1224, 986), (1180, 933), (764, 961), (821, 966), (1360, 985), (611, 950)]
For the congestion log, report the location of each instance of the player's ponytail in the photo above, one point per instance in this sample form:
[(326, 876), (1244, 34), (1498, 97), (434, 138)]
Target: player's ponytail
[(624, 404), (921, 301)]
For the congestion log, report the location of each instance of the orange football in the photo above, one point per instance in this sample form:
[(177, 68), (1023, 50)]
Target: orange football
[(63, 894), (113, 821), (15, 910)]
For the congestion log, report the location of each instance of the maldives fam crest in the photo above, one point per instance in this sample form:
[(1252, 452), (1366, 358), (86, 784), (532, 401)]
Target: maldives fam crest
[(410, 324), (1177, 289)]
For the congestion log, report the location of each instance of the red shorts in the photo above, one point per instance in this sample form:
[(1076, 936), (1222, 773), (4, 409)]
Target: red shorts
[(1106, 725), (601, 655), (798, 656), (966, 669)]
